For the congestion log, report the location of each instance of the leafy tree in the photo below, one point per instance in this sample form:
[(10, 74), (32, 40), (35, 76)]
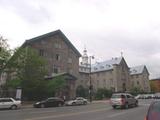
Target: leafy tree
[(55, 85), (5, 53), (82, 92), (103, 93), (136, 90), (29, 71)]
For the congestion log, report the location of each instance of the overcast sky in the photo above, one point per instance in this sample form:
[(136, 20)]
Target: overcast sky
[(105, 27)]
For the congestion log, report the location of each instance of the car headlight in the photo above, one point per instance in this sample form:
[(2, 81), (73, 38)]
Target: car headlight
[(37, 103)]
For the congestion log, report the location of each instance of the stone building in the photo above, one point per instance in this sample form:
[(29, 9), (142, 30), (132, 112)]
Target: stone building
[(61, 55), (84, 71), (112, 74), (139, 77)]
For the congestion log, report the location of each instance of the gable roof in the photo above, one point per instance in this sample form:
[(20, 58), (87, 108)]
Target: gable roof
[(59, 32), (137, 69), (106, 65)]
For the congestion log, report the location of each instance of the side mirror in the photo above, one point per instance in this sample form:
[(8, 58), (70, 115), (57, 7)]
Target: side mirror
[(153, 111)]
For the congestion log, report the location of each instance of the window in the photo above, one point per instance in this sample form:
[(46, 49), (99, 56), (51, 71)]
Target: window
[(136, 76), (128, 96), (56, 69), (111, 81), (41, 52), (6, 100), (97, 82), (70, 71), (57, 57), (57, 45), (69, 60)]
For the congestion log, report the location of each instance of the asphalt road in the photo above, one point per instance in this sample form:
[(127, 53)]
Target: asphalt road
[(94, 111)]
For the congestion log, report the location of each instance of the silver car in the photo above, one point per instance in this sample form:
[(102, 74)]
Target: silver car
[(9, 103), (123, 100), (77, 101)]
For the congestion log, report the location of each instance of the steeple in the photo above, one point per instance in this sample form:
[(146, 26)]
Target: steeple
[(85, 57)]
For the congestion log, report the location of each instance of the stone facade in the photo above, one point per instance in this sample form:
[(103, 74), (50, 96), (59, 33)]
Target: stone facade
[(139, 77), (61, 55), (112, 74)]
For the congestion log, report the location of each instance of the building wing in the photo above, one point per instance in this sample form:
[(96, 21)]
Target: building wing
[(137, 70)]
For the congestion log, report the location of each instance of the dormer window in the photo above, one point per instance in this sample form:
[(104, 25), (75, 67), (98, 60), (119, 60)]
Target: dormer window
[(108, 65), (101, 67), (95, 68)]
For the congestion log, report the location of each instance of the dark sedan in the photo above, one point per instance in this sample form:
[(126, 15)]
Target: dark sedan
[(50, 102)]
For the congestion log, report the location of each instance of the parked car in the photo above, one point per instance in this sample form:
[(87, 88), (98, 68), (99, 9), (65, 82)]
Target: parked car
[(123, 100), (50, 102), (9, 103), (77, 101), (153, 111)]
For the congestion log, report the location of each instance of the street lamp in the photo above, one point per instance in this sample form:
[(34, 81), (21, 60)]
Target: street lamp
[(90, 81)]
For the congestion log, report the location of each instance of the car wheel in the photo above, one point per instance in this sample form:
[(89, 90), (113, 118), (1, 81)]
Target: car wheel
[(73, 103), (136, 104), (126, 106), (84, 103), (42, 106), (114, 107), (59, 104), (13, 107)]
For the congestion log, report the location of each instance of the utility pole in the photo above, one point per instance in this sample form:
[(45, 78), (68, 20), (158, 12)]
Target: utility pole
[(90, 79)]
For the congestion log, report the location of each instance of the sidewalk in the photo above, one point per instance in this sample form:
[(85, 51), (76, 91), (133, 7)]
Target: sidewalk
[(27, 104), (100, 101)]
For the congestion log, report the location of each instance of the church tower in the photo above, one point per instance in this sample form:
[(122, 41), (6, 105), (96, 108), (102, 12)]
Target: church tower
[(85, 58)]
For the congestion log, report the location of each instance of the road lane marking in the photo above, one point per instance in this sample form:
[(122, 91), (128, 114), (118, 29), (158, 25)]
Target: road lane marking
[(67, 115)]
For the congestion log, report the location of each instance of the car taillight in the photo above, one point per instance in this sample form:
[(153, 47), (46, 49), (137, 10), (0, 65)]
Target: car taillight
[(122, 101), (145, 118)]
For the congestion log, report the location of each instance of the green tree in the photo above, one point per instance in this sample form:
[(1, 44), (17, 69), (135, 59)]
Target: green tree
[(82, 92), (136, 90), (29, 69), (5, 53), (55, 85), (103, 93)]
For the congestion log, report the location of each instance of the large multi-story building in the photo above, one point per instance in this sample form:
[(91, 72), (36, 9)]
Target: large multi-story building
[(113, 74), (60, 54)]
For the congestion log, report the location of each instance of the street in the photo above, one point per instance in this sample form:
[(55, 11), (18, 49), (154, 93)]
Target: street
[(93, 111)]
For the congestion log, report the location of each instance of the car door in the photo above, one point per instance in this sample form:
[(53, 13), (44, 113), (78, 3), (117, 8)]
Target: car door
[(50, 102), (79, 101), (7, 103), (129, 99), (1, 103)]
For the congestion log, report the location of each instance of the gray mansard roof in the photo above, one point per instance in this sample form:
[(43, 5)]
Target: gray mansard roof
[(106, 65), (137, 70)]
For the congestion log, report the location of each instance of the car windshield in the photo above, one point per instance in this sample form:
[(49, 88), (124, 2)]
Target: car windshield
[(118, 96)]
